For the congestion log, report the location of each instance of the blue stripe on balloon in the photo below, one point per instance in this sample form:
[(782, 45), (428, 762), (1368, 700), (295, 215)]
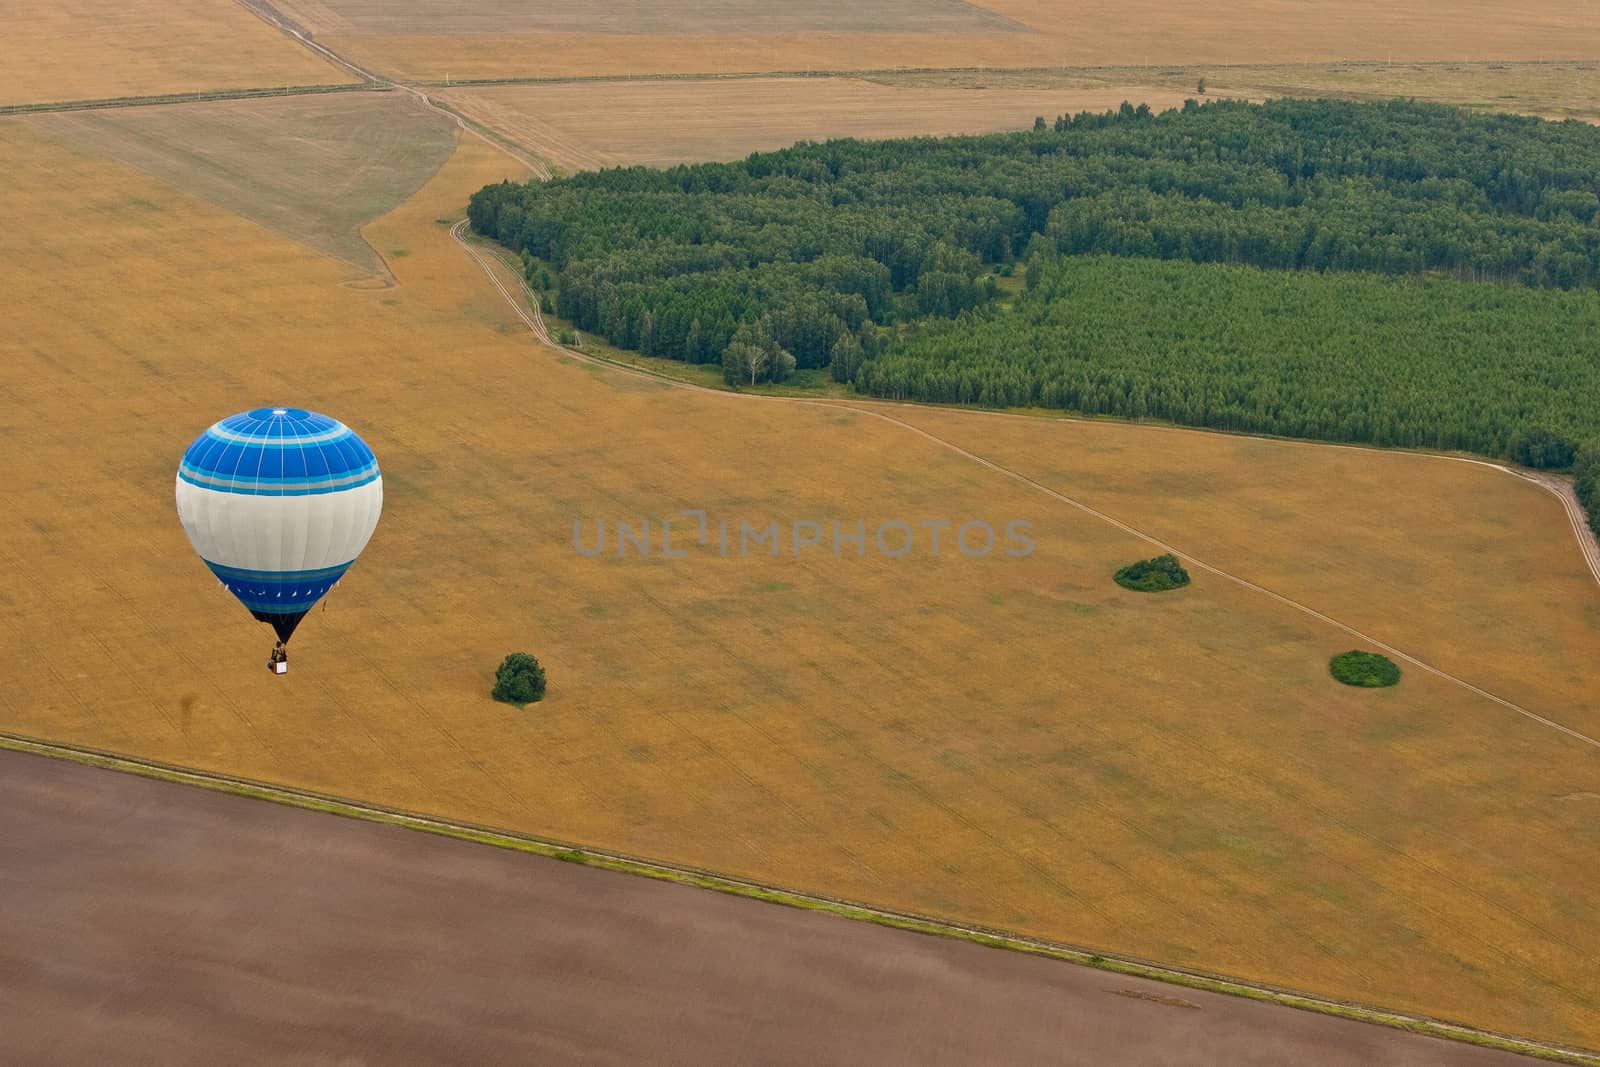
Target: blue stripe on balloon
[(281, 451), (245, 437), (278, 593), (225, 572), (278, 486)]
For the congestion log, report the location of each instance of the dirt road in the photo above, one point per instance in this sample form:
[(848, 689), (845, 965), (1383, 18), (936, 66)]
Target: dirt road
[(143, 922)]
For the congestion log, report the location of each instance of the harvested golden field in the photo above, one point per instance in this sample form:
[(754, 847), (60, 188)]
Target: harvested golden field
[(316, 168), (1116, 33), (1469, 568), (588, 126), (440, 58), (83, 50), (450, 18), (417, 40), (1553, 88), (1015, 742)]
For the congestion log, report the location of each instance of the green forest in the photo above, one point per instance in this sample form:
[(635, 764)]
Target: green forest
[(1394, 273), (1352, 357)]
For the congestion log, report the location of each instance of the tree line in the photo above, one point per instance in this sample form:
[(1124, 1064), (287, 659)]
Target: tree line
[(1414, 362), (1587, 470), (1435, 269)]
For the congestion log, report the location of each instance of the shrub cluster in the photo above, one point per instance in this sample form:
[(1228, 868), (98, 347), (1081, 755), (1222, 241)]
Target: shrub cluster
[(1153, 575), (1365, 669), (519, 680)]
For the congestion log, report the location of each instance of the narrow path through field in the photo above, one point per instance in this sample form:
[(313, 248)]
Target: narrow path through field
[(526, 307)]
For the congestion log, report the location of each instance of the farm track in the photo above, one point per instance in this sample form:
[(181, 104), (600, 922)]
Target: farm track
[(683, 874), (1588, 542), (527, 309)]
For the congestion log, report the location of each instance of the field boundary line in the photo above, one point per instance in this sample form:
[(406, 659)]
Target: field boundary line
[(889, 72), (263, 10), (609, 859), (201, 97), (535, 323)]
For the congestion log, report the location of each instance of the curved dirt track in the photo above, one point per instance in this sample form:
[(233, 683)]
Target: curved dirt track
[(1588, 543), (527, 309), (206, 928)]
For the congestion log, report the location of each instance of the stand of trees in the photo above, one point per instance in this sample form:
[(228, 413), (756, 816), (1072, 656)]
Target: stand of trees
[(1156, 575), (879, 259), (1587, 470), (1542, 448), (1418, 362), (1367, 670)]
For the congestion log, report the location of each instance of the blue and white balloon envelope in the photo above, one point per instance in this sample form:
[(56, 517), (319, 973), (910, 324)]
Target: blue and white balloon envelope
[(279, 502)]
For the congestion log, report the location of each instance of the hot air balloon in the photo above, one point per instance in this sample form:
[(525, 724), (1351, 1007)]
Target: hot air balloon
[(279, 502)]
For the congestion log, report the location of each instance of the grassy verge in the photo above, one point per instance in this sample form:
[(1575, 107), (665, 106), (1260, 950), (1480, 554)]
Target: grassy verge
[(571, 853)]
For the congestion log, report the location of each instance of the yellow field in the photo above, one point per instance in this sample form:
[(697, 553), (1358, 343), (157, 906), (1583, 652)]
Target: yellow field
[(1013, 742), (316, 168), (83, 50), (1114, 32), (1102, 33), (581, 127), (1552, 89), (1470, 569)]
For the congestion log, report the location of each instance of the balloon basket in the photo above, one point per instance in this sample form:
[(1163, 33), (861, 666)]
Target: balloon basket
[(279, 667)]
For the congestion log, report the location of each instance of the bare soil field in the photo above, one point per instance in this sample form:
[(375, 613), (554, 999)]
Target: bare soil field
[(1014, 742), (585, 127), (416, 42), (381, 942), (316, 168), (55, 50)]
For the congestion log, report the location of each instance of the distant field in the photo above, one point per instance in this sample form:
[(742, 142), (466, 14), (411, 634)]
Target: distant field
[(316, 168), (418, 39), (1552, 88), (1015, 742), (581, 127), (489, 17), (1555, 89), (1118, 32), (84, 50)]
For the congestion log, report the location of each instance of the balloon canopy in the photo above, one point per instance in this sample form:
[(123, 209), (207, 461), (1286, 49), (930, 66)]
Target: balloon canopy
[(279, 502)]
